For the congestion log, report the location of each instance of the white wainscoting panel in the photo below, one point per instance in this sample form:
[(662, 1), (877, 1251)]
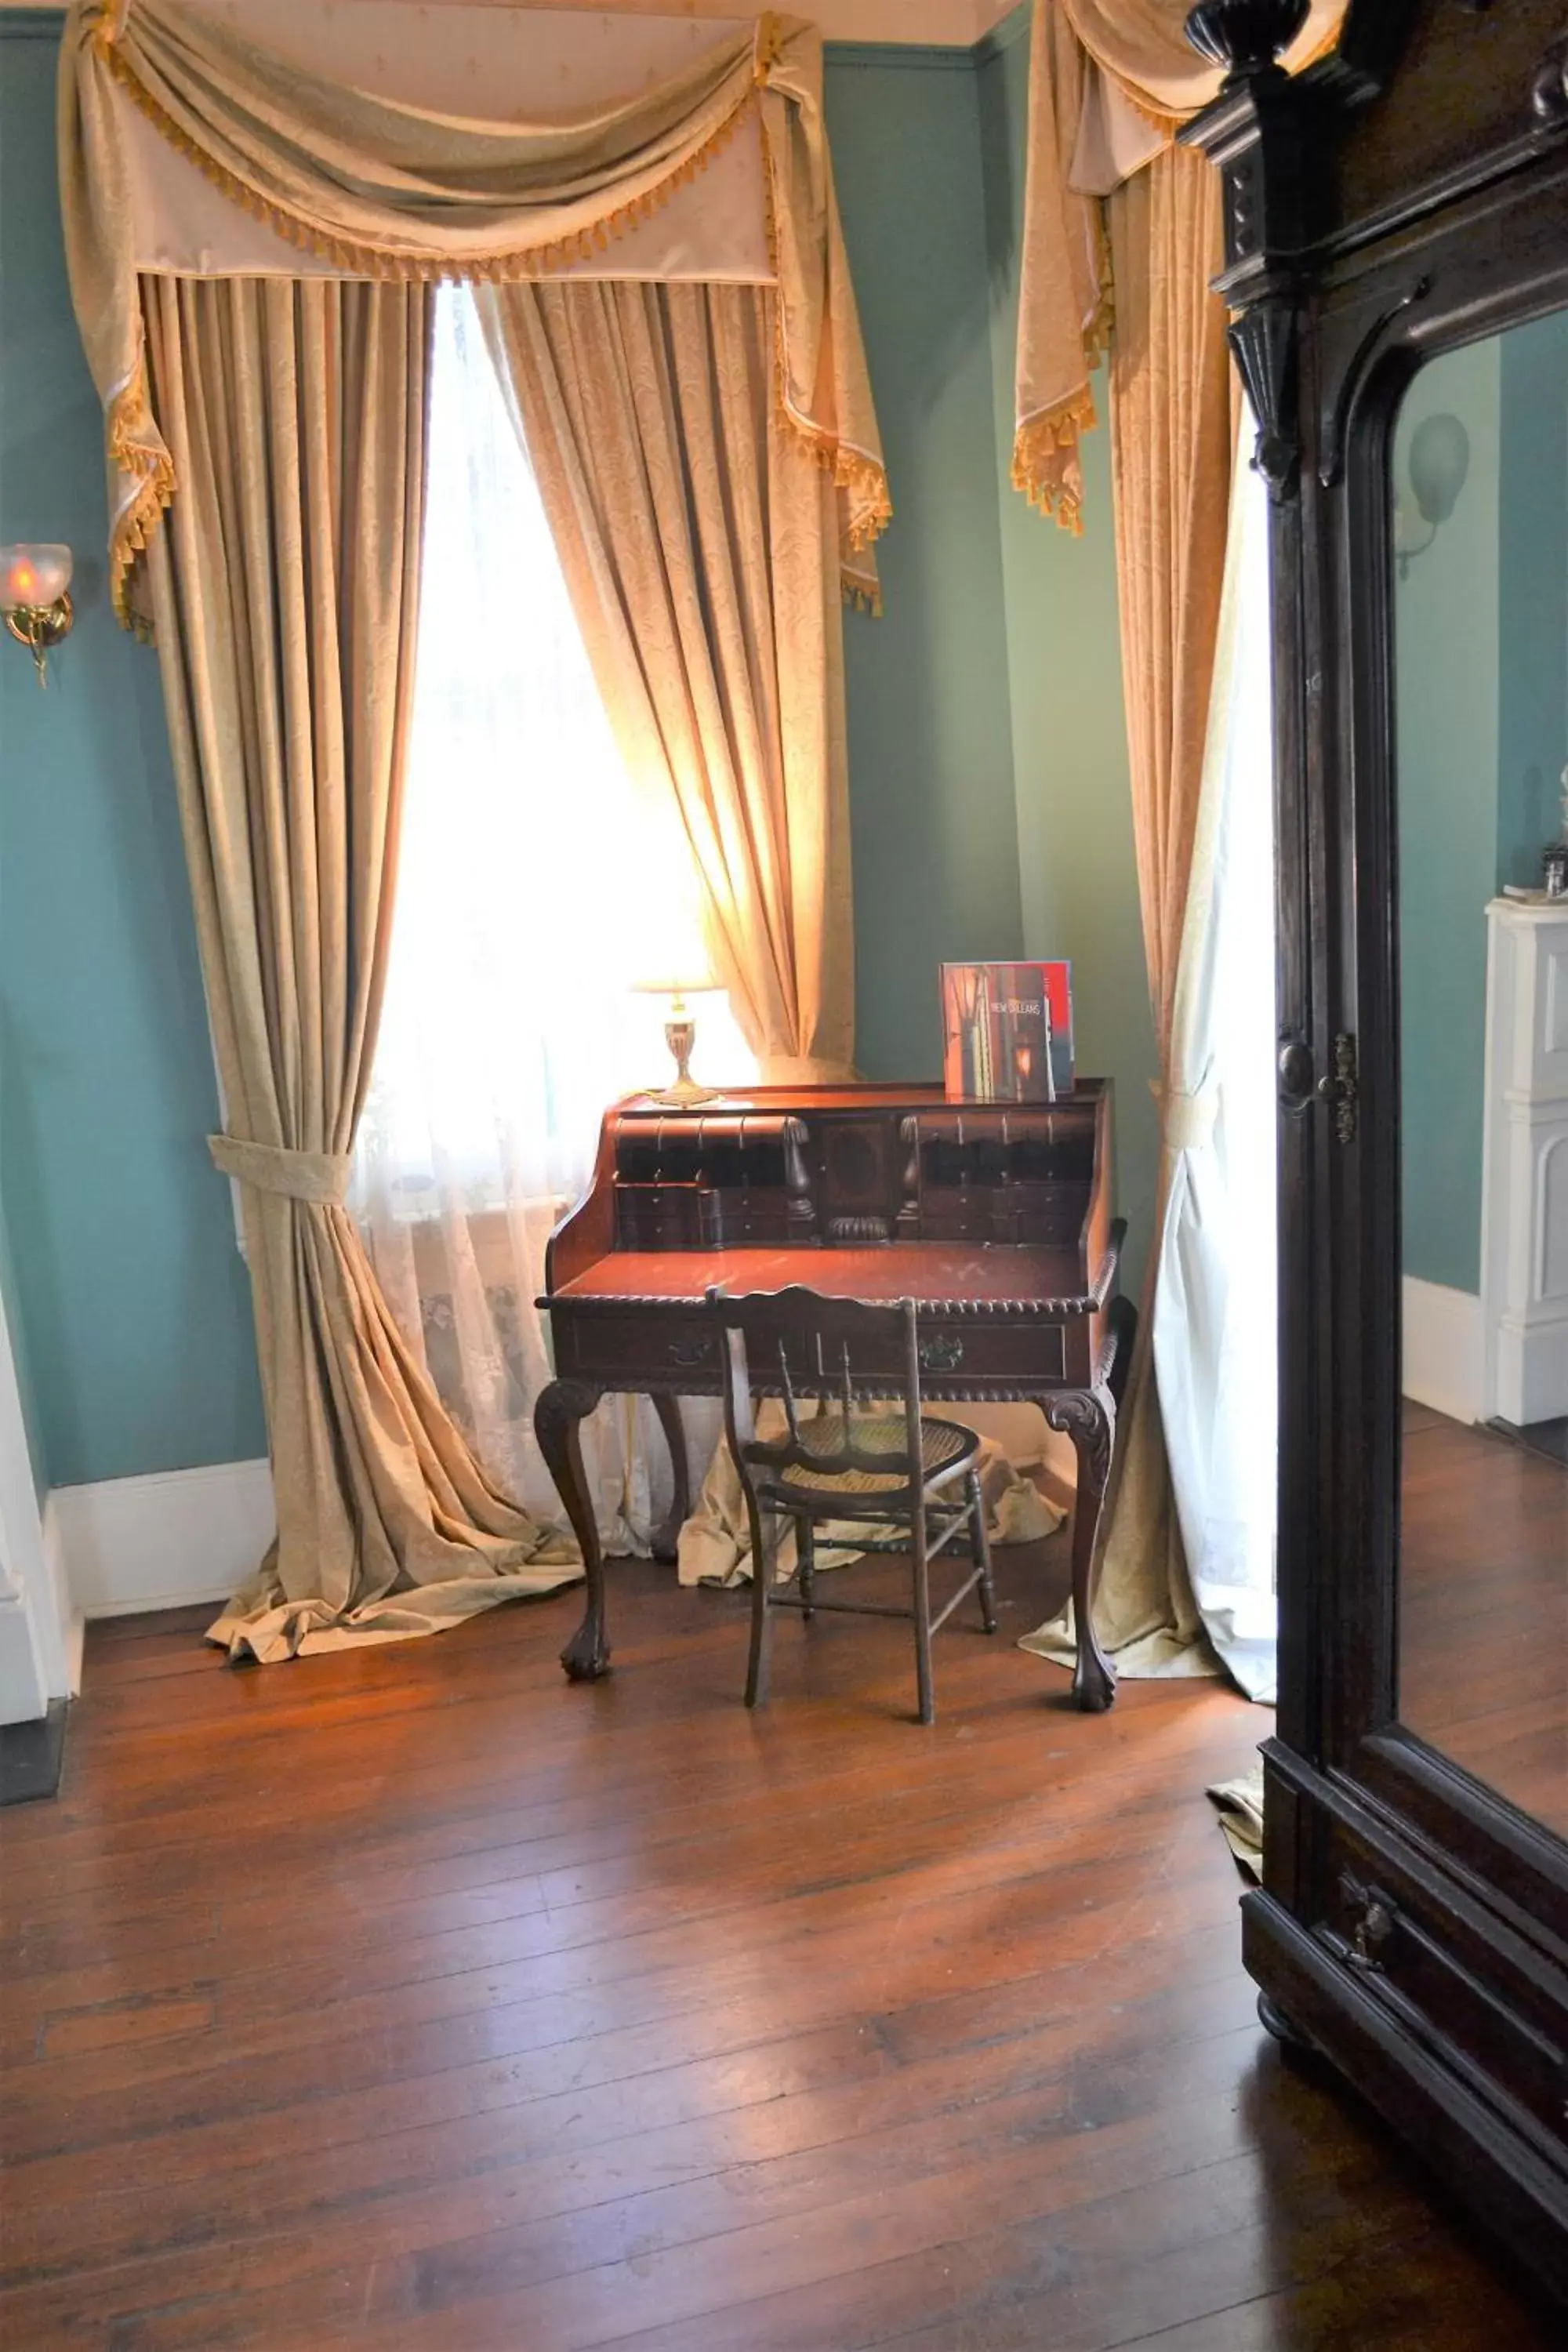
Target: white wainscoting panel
[(162, 1541), (1444, 1356)]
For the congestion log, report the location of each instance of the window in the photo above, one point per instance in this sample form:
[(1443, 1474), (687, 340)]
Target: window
[(533, 890)]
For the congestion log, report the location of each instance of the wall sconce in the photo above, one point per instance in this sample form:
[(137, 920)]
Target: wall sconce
[(35, 596), (1439, 461)]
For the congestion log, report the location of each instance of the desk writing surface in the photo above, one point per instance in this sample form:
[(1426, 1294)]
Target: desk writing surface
[(925, 1271)]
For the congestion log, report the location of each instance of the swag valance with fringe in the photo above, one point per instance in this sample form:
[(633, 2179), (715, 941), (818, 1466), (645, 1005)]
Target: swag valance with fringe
[(1110, 81), (386, 190)]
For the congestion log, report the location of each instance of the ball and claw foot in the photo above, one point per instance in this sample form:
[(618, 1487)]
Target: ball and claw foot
[(1094, 1683), (588, 1654)]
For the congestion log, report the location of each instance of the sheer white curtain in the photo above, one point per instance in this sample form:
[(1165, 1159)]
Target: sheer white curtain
[(533, 890), (1214, 1332)]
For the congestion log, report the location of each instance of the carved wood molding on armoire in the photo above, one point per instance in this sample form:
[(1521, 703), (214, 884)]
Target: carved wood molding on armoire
[(1397, 250)]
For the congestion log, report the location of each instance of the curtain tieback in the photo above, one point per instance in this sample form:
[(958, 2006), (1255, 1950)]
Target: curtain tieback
[(320, 1176), (1188, 1120)]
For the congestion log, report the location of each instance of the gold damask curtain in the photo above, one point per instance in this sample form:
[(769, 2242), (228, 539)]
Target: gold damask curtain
[(284, 589), (699, 545), (1110, 82), (384, 190), (282, 419)]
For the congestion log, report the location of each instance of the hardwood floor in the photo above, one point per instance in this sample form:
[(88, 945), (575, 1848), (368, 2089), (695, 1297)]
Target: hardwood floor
[(1483, 1623), (414, 1999)]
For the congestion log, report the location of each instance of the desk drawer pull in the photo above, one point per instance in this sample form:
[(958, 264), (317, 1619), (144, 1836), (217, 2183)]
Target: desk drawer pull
[(691, 1352), (943, 1352)]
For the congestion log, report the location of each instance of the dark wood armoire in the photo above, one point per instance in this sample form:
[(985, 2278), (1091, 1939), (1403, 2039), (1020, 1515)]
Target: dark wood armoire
[(1396, 232)]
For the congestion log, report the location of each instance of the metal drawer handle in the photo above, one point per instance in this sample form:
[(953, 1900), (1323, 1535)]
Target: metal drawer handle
[(941, 1353), (691, 1352), (1373, 1928)]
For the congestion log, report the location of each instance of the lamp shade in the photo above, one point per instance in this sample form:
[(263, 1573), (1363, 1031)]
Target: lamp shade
[(33, 574), (1439, 461), (684, 980)]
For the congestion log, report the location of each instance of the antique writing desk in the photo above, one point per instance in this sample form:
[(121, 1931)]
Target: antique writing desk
[(994, 1218)]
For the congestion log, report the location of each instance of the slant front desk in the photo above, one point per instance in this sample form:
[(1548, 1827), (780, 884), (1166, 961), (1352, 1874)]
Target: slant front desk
[(994, 1218)]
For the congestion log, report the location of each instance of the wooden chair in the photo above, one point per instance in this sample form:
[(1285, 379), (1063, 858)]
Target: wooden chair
[(901, 1471)]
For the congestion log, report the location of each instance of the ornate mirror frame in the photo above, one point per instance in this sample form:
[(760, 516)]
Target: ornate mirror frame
[(1406, 195)]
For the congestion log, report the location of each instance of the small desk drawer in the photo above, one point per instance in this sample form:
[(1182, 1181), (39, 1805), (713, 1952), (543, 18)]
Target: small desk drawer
[(667, 1344), (973, 1349)]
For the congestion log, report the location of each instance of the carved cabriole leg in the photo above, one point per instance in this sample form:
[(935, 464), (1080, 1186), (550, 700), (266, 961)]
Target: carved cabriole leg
[(665, 1542), (557, 1420), (1088, 1418)]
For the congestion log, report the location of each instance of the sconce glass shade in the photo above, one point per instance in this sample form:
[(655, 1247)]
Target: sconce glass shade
[(33, 575), (1439, 461)]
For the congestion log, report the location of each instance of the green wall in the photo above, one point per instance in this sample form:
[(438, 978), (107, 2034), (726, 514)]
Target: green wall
[(131, 1299), (1481, 682), (931, 747), (1071, 788), (1532, 592), (988, 781), (1447, 696)]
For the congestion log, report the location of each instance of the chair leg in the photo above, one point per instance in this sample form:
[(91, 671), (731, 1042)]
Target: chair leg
[(806, 1557), (762, 1609), (922, 1614), (980, 1548)]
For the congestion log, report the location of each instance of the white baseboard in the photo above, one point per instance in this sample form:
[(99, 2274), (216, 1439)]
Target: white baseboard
[(163, 1542), (1530, 1368), (1444, 1348)]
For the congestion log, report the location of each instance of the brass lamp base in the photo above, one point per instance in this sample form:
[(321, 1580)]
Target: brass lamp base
[(680, 1035), (41, 626)]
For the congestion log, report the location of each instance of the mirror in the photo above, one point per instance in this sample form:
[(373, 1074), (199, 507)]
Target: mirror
[(1480, 594)]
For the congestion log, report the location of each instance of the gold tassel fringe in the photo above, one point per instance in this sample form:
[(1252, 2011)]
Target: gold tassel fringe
[(1054, 429), (151, 472)]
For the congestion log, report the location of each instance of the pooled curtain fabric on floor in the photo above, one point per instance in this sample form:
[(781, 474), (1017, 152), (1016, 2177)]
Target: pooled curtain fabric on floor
[(699, 544), (284, 590)]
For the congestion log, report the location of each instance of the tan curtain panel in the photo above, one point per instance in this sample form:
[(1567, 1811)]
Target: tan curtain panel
[(699, 541), (388, 190), (1109, 80), (284, 590), (1172, 442)]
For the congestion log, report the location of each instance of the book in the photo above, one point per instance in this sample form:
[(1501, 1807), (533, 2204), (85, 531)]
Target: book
[(1007, 1032)]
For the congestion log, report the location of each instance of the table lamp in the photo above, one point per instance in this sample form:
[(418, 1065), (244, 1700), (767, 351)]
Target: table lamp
[(681, 1031)]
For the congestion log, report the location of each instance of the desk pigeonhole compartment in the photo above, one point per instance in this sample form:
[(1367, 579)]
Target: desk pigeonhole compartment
[(1001, 1175), (703, 1180)]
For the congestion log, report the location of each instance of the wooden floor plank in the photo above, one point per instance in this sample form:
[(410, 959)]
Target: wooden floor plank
[(417, 2000)]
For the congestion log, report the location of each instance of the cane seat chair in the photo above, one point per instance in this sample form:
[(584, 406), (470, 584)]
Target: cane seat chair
[(900, 1471)]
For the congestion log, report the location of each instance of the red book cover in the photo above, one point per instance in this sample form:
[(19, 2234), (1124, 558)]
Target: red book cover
[(1007, 1032)]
